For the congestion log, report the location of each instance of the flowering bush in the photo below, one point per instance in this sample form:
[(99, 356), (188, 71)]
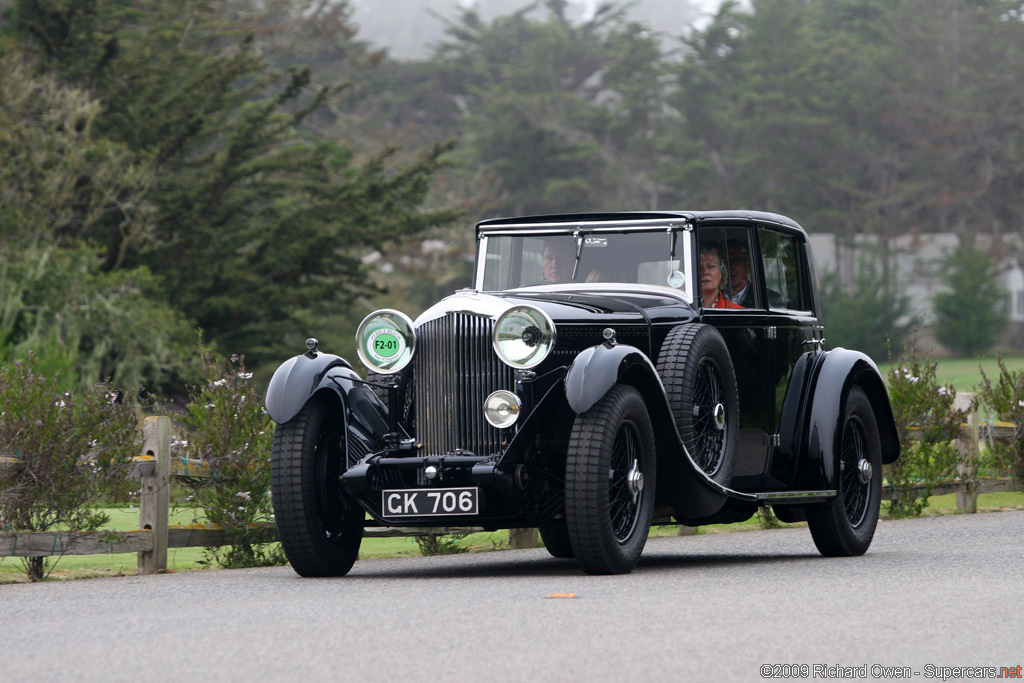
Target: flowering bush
[(1004, 401), (928, 426), (60, 453), (230, 430)]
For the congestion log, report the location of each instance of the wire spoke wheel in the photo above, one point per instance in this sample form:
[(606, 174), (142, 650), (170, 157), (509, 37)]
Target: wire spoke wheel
[(610, 482), (700, 383), (708, 444), (328, 461), (845, 525), (855, 491), (623, 496)]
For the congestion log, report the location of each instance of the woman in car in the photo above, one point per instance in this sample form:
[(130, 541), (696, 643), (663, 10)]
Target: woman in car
[(711, 270)]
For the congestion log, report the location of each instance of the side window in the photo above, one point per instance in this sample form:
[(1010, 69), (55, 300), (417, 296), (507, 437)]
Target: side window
[(730, 249), (780, 261), (741, 276)]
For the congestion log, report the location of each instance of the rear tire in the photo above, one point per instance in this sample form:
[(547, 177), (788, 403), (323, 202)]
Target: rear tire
[(610, 483), (845, 525), (320, 526)]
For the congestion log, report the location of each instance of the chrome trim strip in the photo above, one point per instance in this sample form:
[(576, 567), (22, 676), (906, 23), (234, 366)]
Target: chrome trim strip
[(660, 290), (583, 226), (465, 302), (795, 496)]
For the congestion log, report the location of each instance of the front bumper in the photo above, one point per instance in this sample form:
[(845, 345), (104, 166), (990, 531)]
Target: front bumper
[(505, 498)]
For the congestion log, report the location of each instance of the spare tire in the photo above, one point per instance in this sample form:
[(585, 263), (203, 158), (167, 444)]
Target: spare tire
[(697, 371)]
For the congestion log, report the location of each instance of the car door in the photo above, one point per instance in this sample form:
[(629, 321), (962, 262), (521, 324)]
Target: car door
[(745, 331), (792, 329)]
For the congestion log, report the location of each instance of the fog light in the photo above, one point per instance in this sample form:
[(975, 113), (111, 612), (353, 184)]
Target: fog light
[(502, 409)]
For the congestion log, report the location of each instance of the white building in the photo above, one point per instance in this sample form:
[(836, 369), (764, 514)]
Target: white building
[(915, 263)]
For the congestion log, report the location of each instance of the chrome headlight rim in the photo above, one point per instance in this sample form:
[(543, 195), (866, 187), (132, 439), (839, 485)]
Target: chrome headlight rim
[(541, 320), (493, 406), (384, 327)]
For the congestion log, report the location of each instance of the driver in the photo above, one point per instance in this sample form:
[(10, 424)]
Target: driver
[(559, 259)]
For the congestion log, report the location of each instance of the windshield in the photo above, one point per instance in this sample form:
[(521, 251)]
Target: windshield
[(634, 258)]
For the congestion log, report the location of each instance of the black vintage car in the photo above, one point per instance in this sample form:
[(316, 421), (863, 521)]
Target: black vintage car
[(606, 371)]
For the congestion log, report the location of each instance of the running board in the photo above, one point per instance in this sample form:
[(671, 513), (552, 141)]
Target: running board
[(793, 497)]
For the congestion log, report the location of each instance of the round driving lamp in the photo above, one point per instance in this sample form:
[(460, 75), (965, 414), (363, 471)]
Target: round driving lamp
[(524, 336), (385, 341), (501, 409)]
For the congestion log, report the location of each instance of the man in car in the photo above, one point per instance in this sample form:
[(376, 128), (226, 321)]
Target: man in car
[(559, 259), (739, 277), (739, 274)]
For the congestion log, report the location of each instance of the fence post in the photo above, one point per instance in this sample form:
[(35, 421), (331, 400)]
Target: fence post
[(154, 498), (519, 539), (967, 468)]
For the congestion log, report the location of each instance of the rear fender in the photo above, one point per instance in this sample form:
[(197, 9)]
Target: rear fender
[(838, 371)]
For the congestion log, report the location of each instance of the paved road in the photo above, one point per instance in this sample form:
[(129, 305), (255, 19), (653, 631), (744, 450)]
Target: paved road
[(944, 591)]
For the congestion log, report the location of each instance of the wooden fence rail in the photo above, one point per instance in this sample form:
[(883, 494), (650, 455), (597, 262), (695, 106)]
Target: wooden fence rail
[(155, 467)]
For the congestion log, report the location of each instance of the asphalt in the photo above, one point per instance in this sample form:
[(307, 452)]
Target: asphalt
[(935, 592)]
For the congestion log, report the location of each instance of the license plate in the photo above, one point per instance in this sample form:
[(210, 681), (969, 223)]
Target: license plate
[(431, 502)]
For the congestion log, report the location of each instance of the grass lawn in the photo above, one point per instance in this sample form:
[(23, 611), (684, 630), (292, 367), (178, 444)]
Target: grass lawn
[(191, 559), (964, 373), (188, 559)]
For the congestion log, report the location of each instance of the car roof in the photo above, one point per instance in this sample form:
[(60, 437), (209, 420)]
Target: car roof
[(543, 223)]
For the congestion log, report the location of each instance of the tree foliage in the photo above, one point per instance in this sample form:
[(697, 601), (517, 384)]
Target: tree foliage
[(64, 187), (971, 314), (869, 314), (250, 155), (255, 223)]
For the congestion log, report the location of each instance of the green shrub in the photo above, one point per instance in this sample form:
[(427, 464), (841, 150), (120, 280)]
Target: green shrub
[(62, 452), (928, 426), (438, 544), (230, 429), (1004, 401)]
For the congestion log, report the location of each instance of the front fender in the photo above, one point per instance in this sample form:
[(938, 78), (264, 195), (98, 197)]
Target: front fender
[(839, 370), (596, 370), (600, 367), (299, 378)]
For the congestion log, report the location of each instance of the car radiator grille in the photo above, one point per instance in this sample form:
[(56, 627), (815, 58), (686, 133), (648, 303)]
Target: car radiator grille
[(456, 369)]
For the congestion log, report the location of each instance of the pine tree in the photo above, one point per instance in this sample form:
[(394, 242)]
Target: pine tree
[(971, 315)]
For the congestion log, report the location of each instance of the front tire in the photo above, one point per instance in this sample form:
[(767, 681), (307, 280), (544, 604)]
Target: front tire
[(610, 483), (320, 526), (845, 525)]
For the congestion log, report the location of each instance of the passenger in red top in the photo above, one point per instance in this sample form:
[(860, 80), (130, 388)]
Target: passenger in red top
[(711, 279)]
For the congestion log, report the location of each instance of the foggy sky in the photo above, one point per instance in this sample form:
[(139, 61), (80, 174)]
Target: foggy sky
[(408, 29)]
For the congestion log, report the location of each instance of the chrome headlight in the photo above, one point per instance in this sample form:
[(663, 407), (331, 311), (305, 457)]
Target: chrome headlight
[(524, 336), (501, 408), (385, 341)]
